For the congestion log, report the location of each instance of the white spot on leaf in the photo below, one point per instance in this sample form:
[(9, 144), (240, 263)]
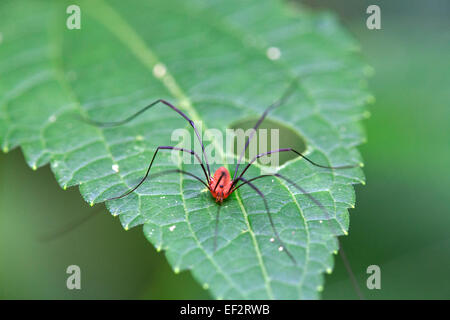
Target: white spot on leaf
[(273, 53), (159, 70)]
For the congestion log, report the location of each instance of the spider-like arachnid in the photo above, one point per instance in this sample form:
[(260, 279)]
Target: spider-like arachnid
[(220, 184)]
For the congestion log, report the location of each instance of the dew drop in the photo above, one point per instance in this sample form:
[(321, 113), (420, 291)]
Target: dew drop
[(159, 70), (273, 53), (115, 167), (272, 239), (52, 118), (172, 228), (139, 138), (280, 248)]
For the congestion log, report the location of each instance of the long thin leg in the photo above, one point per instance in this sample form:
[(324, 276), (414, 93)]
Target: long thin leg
[(118, 123), (277, 103), (69, 227), (341, 251), (75, 224), (218, 181), (283, 246), (298, 153), (216, 232), (150, 166)]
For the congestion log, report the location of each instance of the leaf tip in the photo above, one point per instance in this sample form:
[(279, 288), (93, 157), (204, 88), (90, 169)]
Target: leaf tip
[(367, 114), (369, 71)]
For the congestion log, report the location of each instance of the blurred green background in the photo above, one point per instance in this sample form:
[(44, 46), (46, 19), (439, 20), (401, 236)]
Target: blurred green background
[(401, 221)]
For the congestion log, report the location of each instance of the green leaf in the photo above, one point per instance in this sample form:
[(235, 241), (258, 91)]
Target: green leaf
[(213, 60)]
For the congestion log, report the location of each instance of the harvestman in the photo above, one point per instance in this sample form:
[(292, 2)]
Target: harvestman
[(220, 184)]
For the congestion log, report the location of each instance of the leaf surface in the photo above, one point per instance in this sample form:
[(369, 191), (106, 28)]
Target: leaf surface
[(218, 61)]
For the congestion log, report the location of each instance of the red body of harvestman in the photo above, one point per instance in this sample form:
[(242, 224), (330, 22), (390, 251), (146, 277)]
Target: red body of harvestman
[(220, 184)]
